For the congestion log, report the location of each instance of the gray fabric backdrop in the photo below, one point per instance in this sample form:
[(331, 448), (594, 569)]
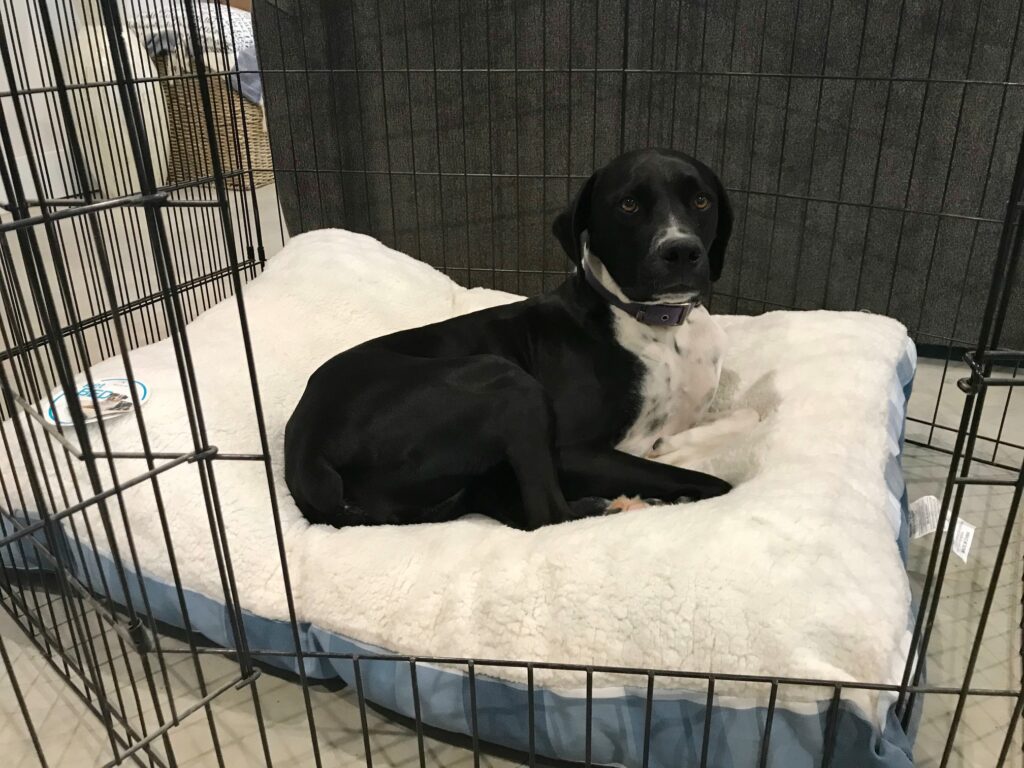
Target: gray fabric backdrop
[(860, 163)]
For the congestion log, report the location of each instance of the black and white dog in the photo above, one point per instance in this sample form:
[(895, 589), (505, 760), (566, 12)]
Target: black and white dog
[(540, 411)]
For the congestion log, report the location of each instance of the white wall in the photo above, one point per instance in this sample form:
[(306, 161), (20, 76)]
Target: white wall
[(22, 41), (100, 125)]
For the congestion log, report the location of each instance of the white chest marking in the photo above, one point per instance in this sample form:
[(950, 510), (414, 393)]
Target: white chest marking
[(681, 369)]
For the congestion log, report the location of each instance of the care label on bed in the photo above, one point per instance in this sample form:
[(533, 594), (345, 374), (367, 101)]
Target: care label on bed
[(963, 536), (106, 398), (924, 516), (924, 519)]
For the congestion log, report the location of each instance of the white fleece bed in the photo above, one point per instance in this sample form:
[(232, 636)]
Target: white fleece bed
[(795, 573)]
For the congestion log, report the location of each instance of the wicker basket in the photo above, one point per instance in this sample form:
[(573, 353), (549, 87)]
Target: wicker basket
[(235, 121)]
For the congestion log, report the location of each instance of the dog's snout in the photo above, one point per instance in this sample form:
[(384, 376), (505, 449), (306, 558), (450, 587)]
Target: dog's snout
[(677, 246), (682, 252)]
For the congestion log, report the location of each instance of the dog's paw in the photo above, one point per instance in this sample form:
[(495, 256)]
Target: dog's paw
[(625, 504), (590, 506)]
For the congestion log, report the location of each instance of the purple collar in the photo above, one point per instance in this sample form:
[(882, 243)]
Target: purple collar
[(651, 314)]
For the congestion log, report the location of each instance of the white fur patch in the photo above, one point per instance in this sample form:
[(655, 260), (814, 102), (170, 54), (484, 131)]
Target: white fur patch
[(682, 366)]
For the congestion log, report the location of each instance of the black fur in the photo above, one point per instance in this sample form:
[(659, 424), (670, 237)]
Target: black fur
[(515, 411)]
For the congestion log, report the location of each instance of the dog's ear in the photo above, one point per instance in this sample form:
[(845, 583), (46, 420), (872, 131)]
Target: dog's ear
[(716, 254), (570, 223)]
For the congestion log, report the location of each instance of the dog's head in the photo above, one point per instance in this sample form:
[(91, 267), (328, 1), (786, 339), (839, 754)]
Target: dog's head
[(658, 220)]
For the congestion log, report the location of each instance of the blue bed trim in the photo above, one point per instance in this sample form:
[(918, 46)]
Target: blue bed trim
[(618, 720)]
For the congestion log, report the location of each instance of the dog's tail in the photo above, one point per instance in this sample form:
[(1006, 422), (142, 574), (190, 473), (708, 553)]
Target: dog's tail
[(319, 493)]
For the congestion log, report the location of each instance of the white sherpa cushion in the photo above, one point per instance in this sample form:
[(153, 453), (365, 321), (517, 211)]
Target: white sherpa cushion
[(796, 572)]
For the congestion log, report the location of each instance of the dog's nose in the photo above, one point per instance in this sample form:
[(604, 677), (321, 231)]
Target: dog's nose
[(682, 252)]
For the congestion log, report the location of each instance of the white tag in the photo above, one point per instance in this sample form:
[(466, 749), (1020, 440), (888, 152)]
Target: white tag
[(924, 519), (962, 538), (924, 516)]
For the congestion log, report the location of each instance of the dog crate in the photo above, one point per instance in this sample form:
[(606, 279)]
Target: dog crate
[(872, 153)]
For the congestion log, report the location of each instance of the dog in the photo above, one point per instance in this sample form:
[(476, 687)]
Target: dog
[(546, 410)]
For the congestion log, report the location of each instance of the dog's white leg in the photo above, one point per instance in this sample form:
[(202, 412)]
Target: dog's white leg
[(706, 438)]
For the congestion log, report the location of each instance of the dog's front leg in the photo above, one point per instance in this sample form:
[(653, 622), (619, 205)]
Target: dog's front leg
[(586, 472), (706, 439)]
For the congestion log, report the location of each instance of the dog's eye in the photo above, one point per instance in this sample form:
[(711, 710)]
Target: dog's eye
[(701, 201), (629, 205)]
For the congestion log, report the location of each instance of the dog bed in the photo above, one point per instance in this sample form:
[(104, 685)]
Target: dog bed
[(798, 572)]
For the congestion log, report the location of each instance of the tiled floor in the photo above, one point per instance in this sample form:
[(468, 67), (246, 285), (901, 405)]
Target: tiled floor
[(72, 736), (983, 727)]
